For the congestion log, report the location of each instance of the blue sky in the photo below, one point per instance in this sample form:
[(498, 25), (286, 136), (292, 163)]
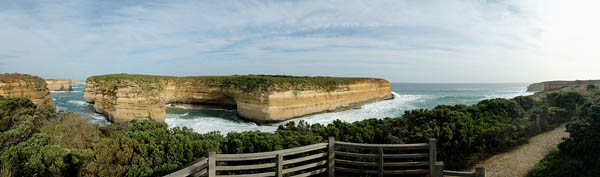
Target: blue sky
[(402, 41)]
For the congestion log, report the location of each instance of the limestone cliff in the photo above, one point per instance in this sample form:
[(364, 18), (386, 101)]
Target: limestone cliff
[(259, 98), (23, 85), (553, 85), (60, 84)]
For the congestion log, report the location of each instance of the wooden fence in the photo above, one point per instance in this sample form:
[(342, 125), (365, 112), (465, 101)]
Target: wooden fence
[(327, 159)]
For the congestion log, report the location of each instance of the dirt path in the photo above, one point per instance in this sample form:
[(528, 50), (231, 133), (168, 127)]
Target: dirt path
[(520, 160)]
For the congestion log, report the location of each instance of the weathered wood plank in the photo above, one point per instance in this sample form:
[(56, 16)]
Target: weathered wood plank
[(432, 156), (307, 149), (405, 164), (357, 155), (203, 172), (315, 172), (350, 162), (380, 161), (331, 158), (439, 169), (279, 165), (405, 172), (480, 170), (302, 159), (200, 164), (386, 146), (250, 175), (268, 155), (245, 167), (359, 171), (458, 173), (303, 167), (212, 163), (240, 157), (406, 156)]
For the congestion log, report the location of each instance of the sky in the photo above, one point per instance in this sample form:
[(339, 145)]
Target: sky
[(414, 41)]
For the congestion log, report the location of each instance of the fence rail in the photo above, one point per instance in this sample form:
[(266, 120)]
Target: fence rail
[(479, 171), (326, 159), (198, 168)]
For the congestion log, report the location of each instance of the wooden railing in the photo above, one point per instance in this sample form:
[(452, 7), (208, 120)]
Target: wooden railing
[(439, 166), (198, 168), (284, 162), (343, 158), (373, 158)]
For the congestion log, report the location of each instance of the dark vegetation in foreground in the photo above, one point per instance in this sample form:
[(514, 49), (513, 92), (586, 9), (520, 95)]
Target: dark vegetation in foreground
[(38, 142), (579, 155)]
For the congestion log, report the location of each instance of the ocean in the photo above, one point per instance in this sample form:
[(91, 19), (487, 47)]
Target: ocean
[(205, 119)]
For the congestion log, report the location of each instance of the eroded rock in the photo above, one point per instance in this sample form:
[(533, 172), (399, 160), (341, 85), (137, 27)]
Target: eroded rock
[(23, 85), (262, 99)]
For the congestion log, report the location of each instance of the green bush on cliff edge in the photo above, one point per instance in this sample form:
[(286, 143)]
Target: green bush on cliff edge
[(246, 83)]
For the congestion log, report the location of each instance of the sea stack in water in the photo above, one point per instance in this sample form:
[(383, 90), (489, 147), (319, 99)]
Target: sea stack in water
[(60, 84), (260, 98), (23, 85)]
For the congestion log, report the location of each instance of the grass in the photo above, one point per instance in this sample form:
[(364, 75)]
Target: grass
[(246, 83), (11, 77)]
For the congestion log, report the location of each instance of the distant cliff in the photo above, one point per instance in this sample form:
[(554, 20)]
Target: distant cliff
[(60, 84), (124, 97), (23, 85), (553, 85)]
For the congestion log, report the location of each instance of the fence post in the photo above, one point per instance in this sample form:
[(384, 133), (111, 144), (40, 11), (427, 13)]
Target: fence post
[(432, 156), (212, 163), (279, 165), (479, 171), (331, 160), (380, 161), (537, 123), (439, 169)]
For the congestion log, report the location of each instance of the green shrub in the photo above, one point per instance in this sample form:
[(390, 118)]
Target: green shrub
[(567, 100), (578, 155), (557, 114), (38, 156), (71, 131), (591, 87), (525, 101), (19, 119), (149, 149)]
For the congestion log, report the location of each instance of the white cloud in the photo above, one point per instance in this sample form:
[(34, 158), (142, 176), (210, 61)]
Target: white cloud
[(405, 41)]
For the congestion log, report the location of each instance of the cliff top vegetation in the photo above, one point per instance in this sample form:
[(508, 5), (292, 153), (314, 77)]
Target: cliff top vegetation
[(246, 83), (11, 77)]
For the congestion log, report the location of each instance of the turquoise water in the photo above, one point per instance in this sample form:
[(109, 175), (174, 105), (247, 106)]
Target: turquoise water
[(407, 97)]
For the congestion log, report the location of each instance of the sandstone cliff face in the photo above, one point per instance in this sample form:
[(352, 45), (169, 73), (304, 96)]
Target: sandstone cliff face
[(125, 100), (22, 85), (553, 85), (279, 106), (60, 84)]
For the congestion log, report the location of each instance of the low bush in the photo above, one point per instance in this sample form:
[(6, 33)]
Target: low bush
[(66, 145), (578, 155), (591, 87)]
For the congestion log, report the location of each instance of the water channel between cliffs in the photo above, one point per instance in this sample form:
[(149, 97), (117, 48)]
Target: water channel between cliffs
[(407, 96)]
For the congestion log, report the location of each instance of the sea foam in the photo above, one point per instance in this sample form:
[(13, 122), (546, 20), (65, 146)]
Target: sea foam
[(387, 108), (78, 103)]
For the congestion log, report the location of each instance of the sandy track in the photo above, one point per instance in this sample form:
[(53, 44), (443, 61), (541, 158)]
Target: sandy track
[(521, 159)]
